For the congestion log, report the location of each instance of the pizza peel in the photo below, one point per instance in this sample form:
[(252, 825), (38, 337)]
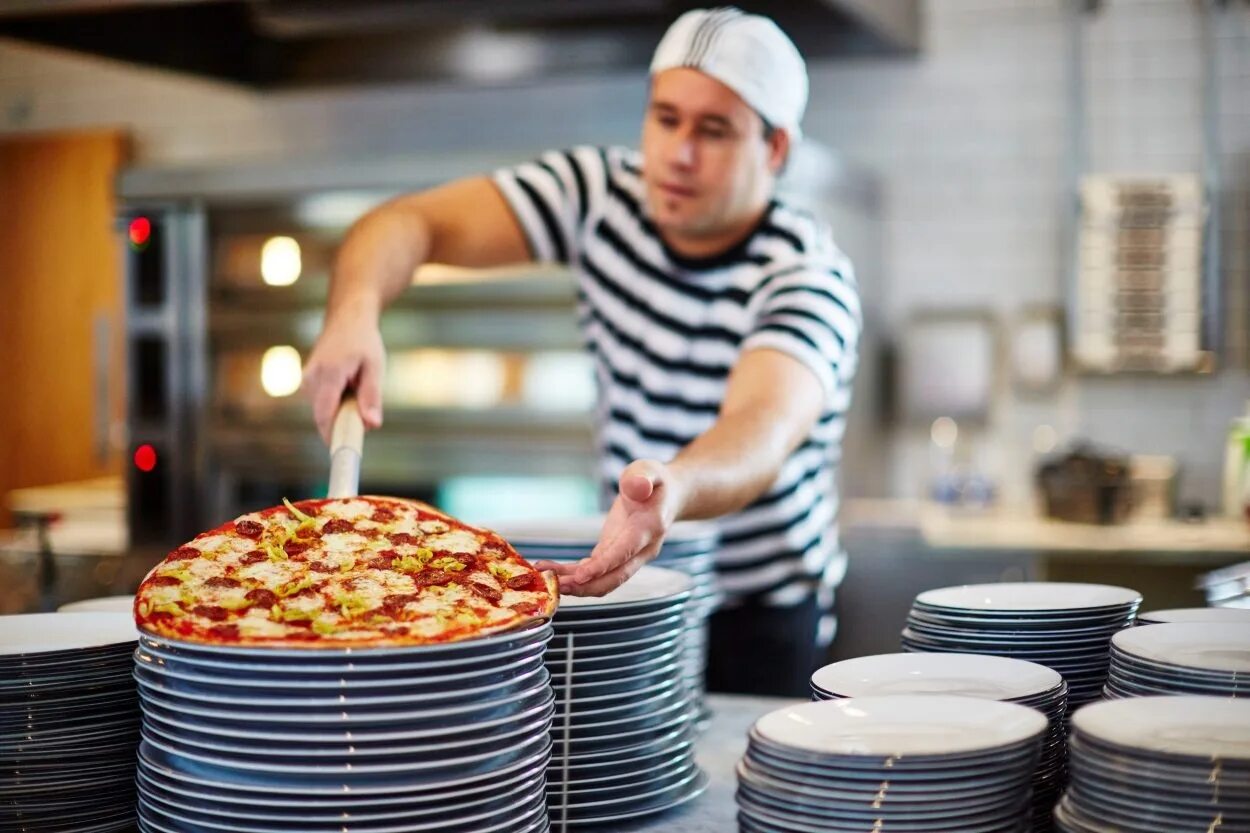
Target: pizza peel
[(347, 441)]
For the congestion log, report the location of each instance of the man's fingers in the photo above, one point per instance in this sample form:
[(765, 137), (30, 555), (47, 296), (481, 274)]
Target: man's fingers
[(611, 555), (608, 581), (560, 568), (327, 393), (369, 393), (640, 480)]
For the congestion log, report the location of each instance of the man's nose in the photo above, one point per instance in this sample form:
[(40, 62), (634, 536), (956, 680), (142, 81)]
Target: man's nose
[(683, 154)]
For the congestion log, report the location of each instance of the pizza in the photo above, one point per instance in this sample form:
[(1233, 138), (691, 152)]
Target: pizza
[(362, 571)]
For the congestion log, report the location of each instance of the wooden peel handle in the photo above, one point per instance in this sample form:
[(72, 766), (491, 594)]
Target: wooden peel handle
[(347, 443)]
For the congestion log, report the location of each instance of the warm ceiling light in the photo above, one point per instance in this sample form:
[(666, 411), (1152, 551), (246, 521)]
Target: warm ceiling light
[(281, 370), (944, 432), (280, 261)]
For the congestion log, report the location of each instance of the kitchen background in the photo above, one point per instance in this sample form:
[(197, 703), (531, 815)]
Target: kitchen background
[(951, 172)]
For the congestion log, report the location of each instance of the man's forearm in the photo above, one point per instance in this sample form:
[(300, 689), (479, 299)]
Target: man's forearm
[(731, 464), (376, 262)]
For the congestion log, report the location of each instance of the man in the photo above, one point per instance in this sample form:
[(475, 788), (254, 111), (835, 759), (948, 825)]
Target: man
[(723, 327)]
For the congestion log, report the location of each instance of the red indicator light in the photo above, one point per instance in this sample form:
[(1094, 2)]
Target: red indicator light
[(145, 457), (140, 232)]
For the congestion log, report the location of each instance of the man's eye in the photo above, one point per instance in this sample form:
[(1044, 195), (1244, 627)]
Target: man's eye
[(667, 121), (714, 133)]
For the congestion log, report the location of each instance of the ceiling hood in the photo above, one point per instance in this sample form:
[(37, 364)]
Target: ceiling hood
[(274, 44)]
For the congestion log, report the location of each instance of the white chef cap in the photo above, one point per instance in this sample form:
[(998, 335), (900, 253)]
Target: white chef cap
[(747, 53)]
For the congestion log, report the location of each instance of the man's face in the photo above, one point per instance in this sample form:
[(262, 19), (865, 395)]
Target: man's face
[(707, 163)]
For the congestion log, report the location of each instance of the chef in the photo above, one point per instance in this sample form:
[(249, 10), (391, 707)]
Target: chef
[(722, 323)]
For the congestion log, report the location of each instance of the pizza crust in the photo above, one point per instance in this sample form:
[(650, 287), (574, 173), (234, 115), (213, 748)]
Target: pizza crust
[(358, 572)]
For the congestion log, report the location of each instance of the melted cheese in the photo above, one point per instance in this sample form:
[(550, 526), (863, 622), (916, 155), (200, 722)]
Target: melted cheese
[(270, 574), (457, 540), (337, 542)]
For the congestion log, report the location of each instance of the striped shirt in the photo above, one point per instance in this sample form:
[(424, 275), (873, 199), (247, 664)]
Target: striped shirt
[(664, 331)]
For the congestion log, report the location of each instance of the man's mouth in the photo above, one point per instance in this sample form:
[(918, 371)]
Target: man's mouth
[(674, 190)]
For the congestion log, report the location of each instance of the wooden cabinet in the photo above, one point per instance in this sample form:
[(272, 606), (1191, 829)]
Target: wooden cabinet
[(60, 309)]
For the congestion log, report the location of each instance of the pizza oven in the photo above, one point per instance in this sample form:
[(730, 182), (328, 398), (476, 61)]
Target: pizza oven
[(488, 396)]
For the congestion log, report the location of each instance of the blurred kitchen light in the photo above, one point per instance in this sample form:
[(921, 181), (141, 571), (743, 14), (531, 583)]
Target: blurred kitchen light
[(434, 378), (280, 261), (558, 381), (336, 211), (944, 432), (1045, 438), (281, 370), (484, 55), (145, 457), (140, 232)]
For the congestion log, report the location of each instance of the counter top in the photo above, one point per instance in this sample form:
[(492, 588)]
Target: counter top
[(946, 528)]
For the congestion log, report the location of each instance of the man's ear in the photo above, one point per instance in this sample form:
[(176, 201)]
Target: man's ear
[(778, 140)]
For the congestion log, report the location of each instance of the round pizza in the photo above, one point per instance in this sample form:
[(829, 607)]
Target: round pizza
[(362, 571)]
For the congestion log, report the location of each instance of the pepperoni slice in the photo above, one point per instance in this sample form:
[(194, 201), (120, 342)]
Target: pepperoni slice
[(526, 608), (401, 538), (253, 557), (382, 515), (322, 567), (260, 597), (487, 592), (294, 548), (215, 613), (222, 581), (225, 632), (337, 525), (527, 582), (183, 554), (433, 578), (164, 581), (249, 529), (393, 605)]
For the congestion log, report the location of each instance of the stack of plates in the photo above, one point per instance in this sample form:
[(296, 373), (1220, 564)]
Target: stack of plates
[(451, 737), (689, 547), (909, 762), (1209, 615), (107, 604), (1181, 658), (966, 675), (1159, 765), (69, 723), (1067, 627), (1228, 587), (624, 713)]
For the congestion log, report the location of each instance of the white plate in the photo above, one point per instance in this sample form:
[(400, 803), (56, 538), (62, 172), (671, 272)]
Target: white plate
[(1210, 647), (913, 724), (966, 675), (1032, 596), (33, 633), (647, 585), (1213, 615), (1206, 727), (104, 604), (584, 531)]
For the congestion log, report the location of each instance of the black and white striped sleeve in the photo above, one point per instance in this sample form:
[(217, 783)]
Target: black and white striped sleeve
[(813, 314), (551, 197)]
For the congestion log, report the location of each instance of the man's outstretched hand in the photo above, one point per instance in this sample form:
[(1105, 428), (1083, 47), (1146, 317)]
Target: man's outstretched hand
[(645, 507)]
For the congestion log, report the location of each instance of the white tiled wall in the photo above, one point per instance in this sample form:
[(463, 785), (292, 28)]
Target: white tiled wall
[(970, 139)]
